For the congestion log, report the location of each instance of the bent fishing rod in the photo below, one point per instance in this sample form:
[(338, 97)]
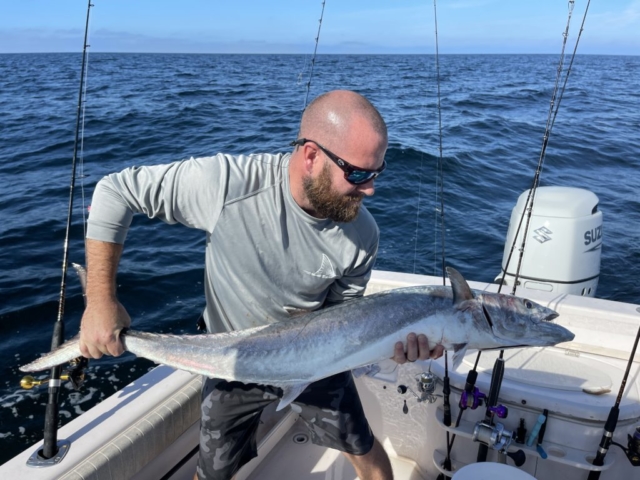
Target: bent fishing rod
[(51, 445)]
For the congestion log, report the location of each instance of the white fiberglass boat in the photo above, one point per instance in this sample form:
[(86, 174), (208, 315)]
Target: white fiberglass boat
[(149, 430)]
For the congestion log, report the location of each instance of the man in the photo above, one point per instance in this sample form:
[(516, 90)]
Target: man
[(284, 233)]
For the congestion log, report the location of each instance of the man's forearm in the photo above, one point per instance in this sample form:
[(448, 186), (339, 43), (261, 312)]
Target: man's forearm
[(104, 318), (102, 266)]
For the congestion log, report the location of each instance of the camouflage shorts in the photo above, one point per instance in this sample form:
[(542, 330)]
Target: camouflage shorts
[(330, 408)]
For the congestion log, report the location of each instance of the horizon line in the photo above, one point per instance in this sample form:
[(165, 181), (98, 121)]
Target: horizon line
[(318, 54)]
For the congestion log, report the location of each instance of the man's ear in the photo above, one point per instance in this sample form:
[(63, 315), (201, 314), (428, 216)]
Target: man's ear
[(310, 155)]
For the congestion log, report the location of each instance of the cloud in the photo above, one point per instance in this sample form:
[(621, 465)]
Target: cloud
[(378, 31), (40, 40), (628, 17), (105, 40)]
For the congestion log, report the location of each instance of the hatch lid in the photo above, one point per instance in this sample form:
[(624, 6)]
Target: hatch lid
[(566, 382)]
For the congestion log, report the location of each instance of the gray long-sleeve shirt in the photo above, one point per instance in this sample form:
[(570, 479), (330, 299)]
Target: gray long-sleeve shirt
[(264, 254)]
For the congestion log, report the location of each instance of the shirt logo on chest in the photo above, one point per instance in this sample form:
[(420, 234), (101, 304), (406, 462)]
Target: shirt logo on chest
[(326, 269)]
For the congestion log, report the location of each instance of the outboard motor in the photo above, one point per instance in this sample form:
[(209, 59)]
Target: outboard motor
[(562, 252)]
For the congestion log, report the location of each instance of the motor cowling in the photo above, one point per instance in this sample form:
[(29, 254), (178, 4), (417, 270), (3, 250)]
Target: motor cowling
[(564, 242)]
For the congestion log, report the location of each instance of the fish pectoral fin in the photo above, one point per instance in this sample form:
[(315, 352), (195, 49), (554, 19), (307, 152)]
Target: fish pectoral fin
[(385, 370), (459, 351), (290, 393)]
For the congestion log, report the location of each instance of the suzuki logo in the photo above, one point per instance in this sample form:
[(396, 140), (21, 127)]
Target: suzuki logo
[(542, 234)]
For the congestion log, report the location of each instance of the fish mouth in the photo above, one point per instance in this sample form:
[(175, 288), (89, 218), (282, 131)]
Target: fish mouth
[(551, 317), (507, 347)]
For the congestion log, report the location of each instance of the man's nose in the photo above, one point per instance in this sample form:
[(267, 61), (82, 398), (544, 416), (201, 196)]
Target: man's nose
[(367, 188)]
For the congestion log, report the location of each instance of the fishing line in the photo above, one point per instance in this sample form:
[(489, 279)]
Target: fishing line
[(553, 112), (417, 231), (439, 210), (440, 167)]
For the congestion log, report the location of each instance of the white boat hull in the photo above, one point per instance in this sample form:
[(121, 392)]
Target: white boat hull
[(151, 427)]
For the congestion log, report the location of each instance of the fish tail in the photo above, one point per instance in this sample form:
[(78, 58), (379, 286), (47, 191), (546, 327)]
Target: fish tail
[(63, 354)]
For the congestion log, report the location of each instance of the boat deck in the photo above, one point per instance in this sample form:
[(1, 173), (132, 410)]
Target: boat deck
[(294, 456), (150, 429)]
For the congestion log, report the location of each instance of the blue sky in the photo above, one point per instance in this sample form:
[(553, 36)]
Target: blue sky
[(288, 26)]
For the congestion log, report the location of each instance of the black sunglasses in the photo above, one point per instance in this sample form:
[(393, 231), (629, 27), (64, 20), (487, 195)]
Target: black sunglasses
[(353, 175)]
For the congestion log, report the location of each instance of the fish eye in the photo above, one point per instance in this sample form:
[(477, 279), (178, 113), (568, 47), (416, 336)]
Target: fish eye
[(528, 304)]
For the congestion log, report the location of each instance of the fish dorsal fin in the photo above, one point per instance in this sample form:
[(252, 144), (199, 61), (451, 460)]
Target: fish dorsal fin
[(460, 287), (290, 393)]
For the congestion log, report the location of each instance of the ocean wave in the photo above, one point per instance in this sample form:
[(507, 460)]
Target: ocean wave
[(145, 109)]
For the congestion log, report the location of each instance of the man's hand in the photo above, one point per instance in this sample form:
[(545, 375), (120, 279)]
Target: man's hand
[(417, 349), (100, 329), (104, 318)]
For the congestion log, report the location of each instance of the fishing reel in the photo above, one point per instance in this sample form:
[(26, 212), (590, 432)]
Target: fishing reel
[(633, 451), (476, 398), (75, 375), (499, 439), (495, 437), (426, 385), (499, 411), (633, 448), (471, 400)]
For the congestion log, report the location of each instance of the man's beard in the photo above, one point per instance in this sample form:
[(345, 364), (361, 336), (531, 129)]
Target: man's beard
[(326, 202)]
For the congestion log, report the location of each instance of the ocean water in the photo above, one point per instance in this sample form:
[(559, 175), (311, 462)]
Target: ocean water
[(152, 108)]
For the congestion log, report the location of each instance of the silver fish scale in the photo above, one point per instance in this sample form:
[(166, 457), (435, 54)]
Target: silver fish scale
[(346, 336)]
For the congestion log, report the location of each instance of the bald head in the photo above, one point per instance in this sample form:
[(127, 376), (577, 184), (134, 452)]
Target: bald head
[(333, 114), (337, 128)]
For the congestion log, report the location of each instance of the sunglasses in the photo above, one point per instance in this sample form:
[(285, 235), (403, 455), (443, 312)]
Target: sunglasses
[(353, 175)]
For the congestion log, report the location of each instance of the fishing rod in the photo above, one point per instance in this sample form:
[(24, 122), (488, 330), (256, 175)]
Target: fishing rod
[(551, 118), (446, 388), (498, 368), (51, 446), (470, 389), (313, 59), (471, 397), (633, 452), (494, 391)]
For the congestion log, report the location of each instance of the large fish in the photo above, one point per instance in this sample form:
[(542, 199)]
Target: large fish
[(292, 354)]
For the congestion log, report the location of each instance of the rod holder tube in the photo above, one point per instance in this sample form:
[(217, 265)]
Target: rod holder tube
[(492, 400)]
